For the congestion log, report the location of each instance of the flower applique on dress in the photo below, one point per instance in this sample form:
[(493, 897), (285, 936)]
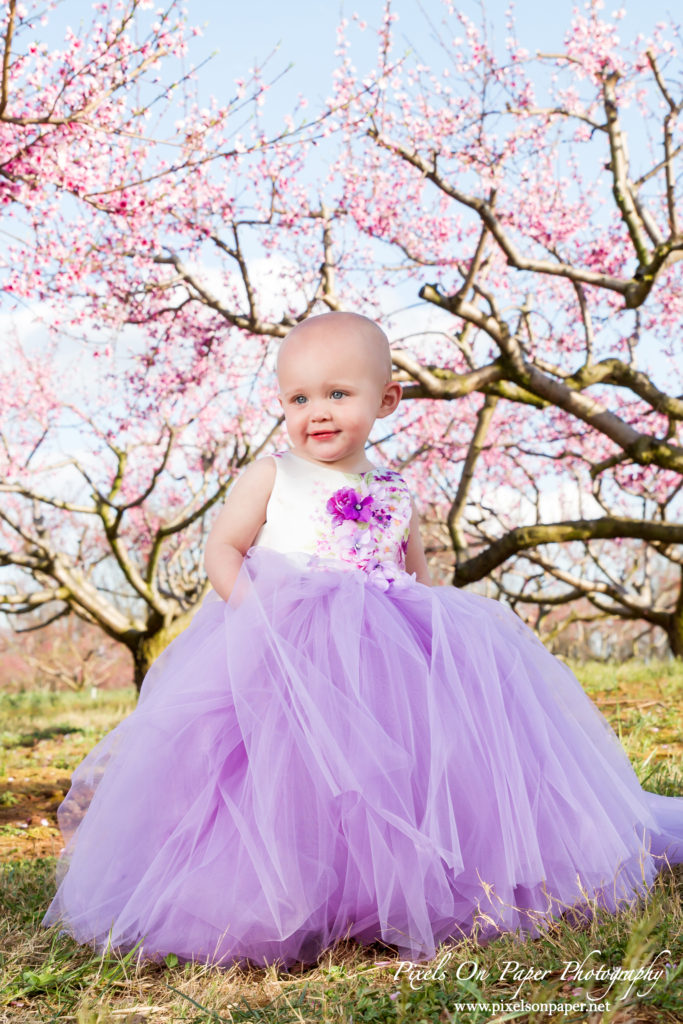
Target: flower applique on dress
[(371, 523)]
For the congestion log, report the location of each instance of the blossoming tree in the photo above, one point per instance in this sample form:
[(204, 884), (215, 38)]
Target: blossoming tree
[(111, 455), (503, 186)]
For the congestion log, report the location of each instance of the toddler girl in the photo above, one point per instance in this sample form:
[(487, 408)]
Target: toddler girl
[(336, 748)]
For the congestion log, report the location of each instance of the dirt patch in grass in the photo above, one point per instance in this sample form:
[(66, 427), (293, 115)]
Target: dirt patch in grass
[(31, 793), (45, 737)]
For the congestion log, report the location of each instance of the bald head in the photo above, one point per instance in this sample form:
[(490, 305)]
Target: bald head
[(334, 376), (346, 332)]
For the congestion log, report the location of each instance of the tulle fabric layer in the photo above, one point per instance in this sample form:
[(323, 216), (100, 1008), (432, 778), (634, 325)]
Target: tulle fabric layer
[(319, 759)]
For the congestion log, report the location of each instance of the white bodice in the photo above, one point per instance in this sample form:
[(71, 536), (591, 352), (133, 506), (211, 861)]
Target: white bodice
[(359, 519)]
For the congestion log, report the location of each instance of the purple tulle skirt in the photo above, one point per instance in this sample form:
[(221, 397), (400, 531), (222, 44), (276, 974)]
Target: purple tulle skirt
[(319, 758)]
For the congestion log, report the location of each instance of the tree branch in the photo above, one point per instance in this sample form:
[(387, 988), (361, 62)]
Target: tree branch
[(523, 538)]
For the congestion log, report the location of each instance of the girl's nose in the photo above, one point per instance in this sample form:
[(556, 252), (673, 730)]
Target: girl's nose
[(319, 411)]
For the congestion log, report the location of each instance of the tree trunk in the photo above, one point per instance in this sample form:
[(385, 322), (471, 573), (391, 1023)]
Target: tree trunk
[(675, 630), (146, 647)]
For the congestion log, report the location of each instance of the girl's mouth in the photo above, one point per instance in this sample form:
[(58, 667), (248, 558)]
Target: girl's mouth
[(322, 435)]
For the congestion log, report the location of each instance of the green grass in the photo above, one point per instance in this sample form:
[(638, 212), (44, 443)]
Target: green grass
[(45, 976)]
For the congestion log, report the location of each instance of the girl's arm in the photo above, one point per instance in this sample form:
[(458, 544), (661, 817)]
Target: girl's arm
[(238, 522), (415, 556)]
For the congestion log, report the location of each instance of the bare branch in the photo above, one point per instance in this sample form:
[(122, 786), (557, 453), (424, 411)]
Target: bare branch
[(253, 324), (523, 538), (66, 506), (456, 511), (449, 384), (669, 120), (7, 56), (622, 188)]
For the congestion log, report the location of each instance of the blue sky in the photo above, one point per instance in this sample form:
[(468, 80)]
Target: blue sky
[(305, 31), (302, 32)]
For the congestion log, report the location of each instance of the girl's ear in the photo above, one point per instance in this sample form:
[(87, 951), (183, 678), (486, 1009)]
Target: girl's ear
[(390, 398)]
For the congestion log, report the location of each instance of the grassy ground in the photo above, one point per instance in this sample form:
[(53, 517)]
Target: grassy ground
[(47, 977)]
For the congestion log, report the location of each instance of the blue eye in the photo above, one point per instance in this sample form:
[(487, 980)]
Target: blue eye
[(338, 394), (300, 399)]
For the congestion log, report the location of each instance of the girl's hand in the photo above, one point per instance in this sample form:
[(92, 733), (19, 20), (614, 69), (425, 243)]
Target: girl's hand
[(415, 557), (238, 522)]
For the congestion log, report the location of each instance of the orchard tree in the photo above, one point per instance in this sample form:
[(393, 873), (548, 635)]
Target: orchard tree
[(110, 455), (104, 514), (504, 185)]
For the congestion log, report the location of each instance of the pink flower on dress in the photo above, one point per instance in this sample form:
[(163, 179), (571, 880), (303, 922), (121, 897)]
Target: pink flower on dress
[(349, 504)]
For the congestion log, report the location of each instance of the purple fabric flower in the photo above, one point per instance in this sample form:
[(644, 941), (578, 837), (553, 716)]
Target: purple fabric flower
[(381, 516), (349, 504)]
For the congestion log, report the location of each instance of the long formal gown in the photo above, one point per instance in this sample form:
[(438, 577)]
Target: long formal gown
[(341, 751)]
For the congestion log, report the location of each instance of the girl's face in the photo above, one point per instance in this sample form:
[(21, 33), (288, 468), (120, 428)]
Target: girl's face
[(332, 389)]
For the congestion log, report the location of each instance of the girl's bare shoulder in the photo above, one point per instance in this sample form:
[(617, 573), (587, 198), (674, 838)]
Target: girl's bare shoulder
[(256, 479)]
